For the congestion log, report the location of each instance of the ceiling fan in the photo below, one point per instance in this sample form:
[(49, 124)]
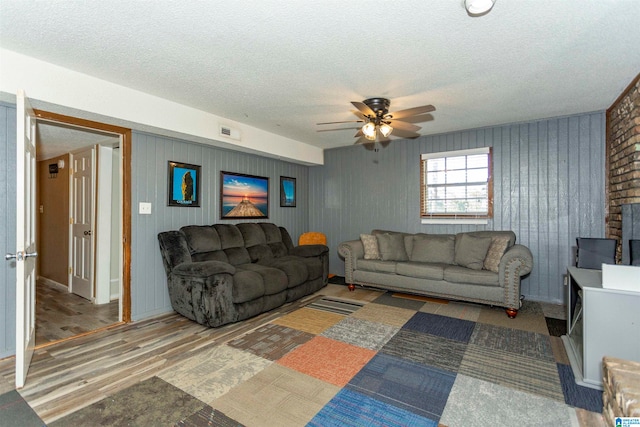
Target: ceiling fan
[(379, 123)]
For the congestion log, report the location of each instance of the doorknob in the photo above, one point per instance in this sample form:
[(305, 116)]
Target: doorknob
[(20, 256), (87, 233)]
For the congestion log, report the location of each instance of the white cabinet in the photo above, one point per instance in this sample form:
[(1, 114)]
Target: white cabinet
[(600, 322)]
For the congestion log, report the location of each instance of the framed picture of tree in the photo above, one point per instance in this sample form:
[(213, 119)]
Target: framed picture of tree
[(183, 185)]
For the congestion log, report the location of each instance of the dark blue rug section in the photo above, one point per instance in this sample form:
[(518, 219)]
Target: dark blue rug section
[(576, 395), (441, 326), (15, 411), (350, 408), (417, 388)]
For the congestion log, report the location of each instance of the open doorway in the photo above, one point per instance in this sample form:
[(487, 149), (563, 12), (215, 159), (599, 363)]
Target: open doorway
[(82, 282)]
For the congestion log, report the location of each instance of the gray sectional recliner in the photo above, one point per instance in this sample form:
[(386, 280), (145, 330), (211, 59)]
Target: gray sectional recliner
[(224, 273), (481, 266)]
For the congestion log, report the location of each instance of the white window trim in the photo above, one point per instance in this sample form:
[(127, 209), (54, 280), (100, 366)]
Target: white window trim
[(469, 152), (466, 220), (462, 221)]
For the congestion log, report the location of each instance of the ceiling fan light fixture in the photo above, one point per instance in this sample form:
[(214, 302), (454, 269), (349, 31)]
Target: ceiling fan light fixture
[(478, 7), (385, 129), (369, 131)]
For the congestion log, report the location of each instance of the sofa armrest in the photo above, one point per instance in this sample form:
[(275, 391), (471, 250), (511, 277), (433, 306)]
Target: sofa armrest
[(514, 264), (308, 251), (203, 269), (351, 251)]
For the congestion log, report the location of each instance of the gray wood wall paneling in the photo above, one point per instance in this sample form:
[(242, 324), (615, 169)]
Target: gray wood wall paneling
[(150, 155), (7, 229), (548, 188)]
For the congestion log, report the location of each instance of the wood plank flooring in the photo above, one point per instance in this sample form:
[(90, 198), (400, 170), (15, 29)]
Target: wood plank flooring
[(61, 315), (70, 375)]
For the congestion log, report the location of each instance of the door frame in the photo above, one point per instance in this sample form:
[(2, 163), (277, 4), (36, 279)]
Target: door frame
[(125, 152)]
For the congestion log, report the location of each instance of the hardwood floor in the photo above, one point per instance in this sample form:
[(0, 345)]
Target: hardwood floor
[(70, 375), (61, 315)]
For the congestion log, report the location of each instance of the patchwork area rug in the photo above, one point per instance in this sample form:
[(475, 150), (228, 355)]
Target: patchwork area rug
[(390, 362)]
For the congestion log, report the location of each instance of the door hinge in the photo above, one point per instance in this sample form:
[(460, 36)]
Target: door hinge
[(71, 221), (70, 270)]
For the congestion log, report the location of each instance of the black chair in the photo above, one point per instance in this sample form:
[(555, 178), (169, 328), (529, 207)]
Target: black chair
[(593, 252), (634, 252)]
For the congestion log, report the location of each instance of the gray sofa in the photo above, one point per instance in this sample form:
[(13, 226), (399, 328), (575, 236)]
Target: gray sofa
[(224, 273), (481, 266)]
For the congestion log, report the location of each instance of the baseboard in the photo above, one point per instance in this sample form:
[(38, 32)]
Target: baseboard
[(53, 283)]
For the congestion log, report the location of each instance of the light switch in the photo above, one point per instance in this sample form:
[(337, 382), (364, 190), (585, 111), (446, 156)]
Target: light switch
[(144, 208)]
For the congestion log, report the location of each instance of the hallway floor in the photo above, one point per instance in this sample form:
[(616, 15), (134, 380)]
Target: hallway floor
[(60, 314)]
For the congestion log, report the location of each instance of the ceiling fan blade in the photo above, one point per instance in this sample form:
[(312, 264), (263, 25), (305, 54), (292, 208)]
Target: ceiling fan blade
[(412, 111), (346, 121), (404, 134), (418, 119), (359, 133), (334, 129), (371, 146), (397, 124), (364, 108)]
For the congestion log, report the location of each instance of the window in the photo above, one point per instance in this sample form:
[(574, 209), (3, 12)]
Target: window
[(456, 184)]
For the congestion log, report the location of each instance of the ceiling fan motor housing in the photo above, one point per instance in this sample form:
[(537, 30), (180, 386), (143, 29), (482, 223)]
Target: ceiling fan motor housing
[(380, 106)]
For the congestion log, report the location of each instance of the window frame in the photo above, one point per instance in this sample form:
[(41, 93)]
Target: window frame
[(424, 215)]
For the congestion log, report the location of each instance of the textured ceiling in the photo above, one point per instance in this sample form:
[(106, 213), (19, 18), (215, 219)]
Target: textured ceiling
[(284, 65)]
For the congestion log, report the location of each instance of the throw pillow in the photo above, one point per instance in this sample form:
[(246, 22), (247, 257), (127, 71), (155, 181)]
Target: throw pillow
[(471, 251), (391, 247), (494, 254), (436, 249), (370, 244)]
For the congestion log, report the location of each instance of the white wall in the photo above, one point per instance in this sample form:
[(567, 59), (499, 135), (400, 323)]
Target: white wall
[(50, 83)]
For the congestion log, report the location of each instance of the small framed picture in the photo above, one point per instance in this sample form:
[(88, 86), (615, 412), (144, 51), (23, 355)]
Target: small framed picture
[(183, 185), (287, 192), (243, 196)]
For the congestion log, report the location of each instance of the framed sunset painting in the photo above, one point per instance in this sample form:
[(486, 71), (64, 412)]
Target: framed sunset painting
[(243, 196)]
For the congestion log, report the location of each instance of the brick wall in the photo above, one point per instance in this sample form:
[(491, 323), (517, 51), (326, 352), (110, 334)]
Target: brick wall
[(623, 157)]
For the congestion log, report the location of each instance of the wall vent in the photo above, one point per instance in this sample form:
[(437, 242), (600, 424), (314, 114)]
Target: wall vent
[(229, 132)]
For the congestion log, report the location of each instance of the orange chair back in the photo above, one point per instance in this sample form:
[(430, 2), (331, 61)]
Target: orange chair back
[(312, 238)]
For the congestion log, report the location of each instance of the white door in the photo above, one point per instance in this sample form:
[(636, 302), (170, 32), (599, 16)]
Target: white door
[(25, 238), (82, 219)]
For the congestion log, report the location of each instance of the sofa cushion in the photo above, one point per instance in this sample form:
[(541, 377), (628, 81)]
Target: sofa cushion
[(230, 236), (457, 274), (271, 232), (260, 253), (391, 247), (237, 256), (494, 254), (252, 234), (433, 249), (278, 249), (376, 265), (201, 238), (314, 267), (470, 251), (421, 270), (370, 245), (247, 285), (273, 279), (210, 256), (295, 269)]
